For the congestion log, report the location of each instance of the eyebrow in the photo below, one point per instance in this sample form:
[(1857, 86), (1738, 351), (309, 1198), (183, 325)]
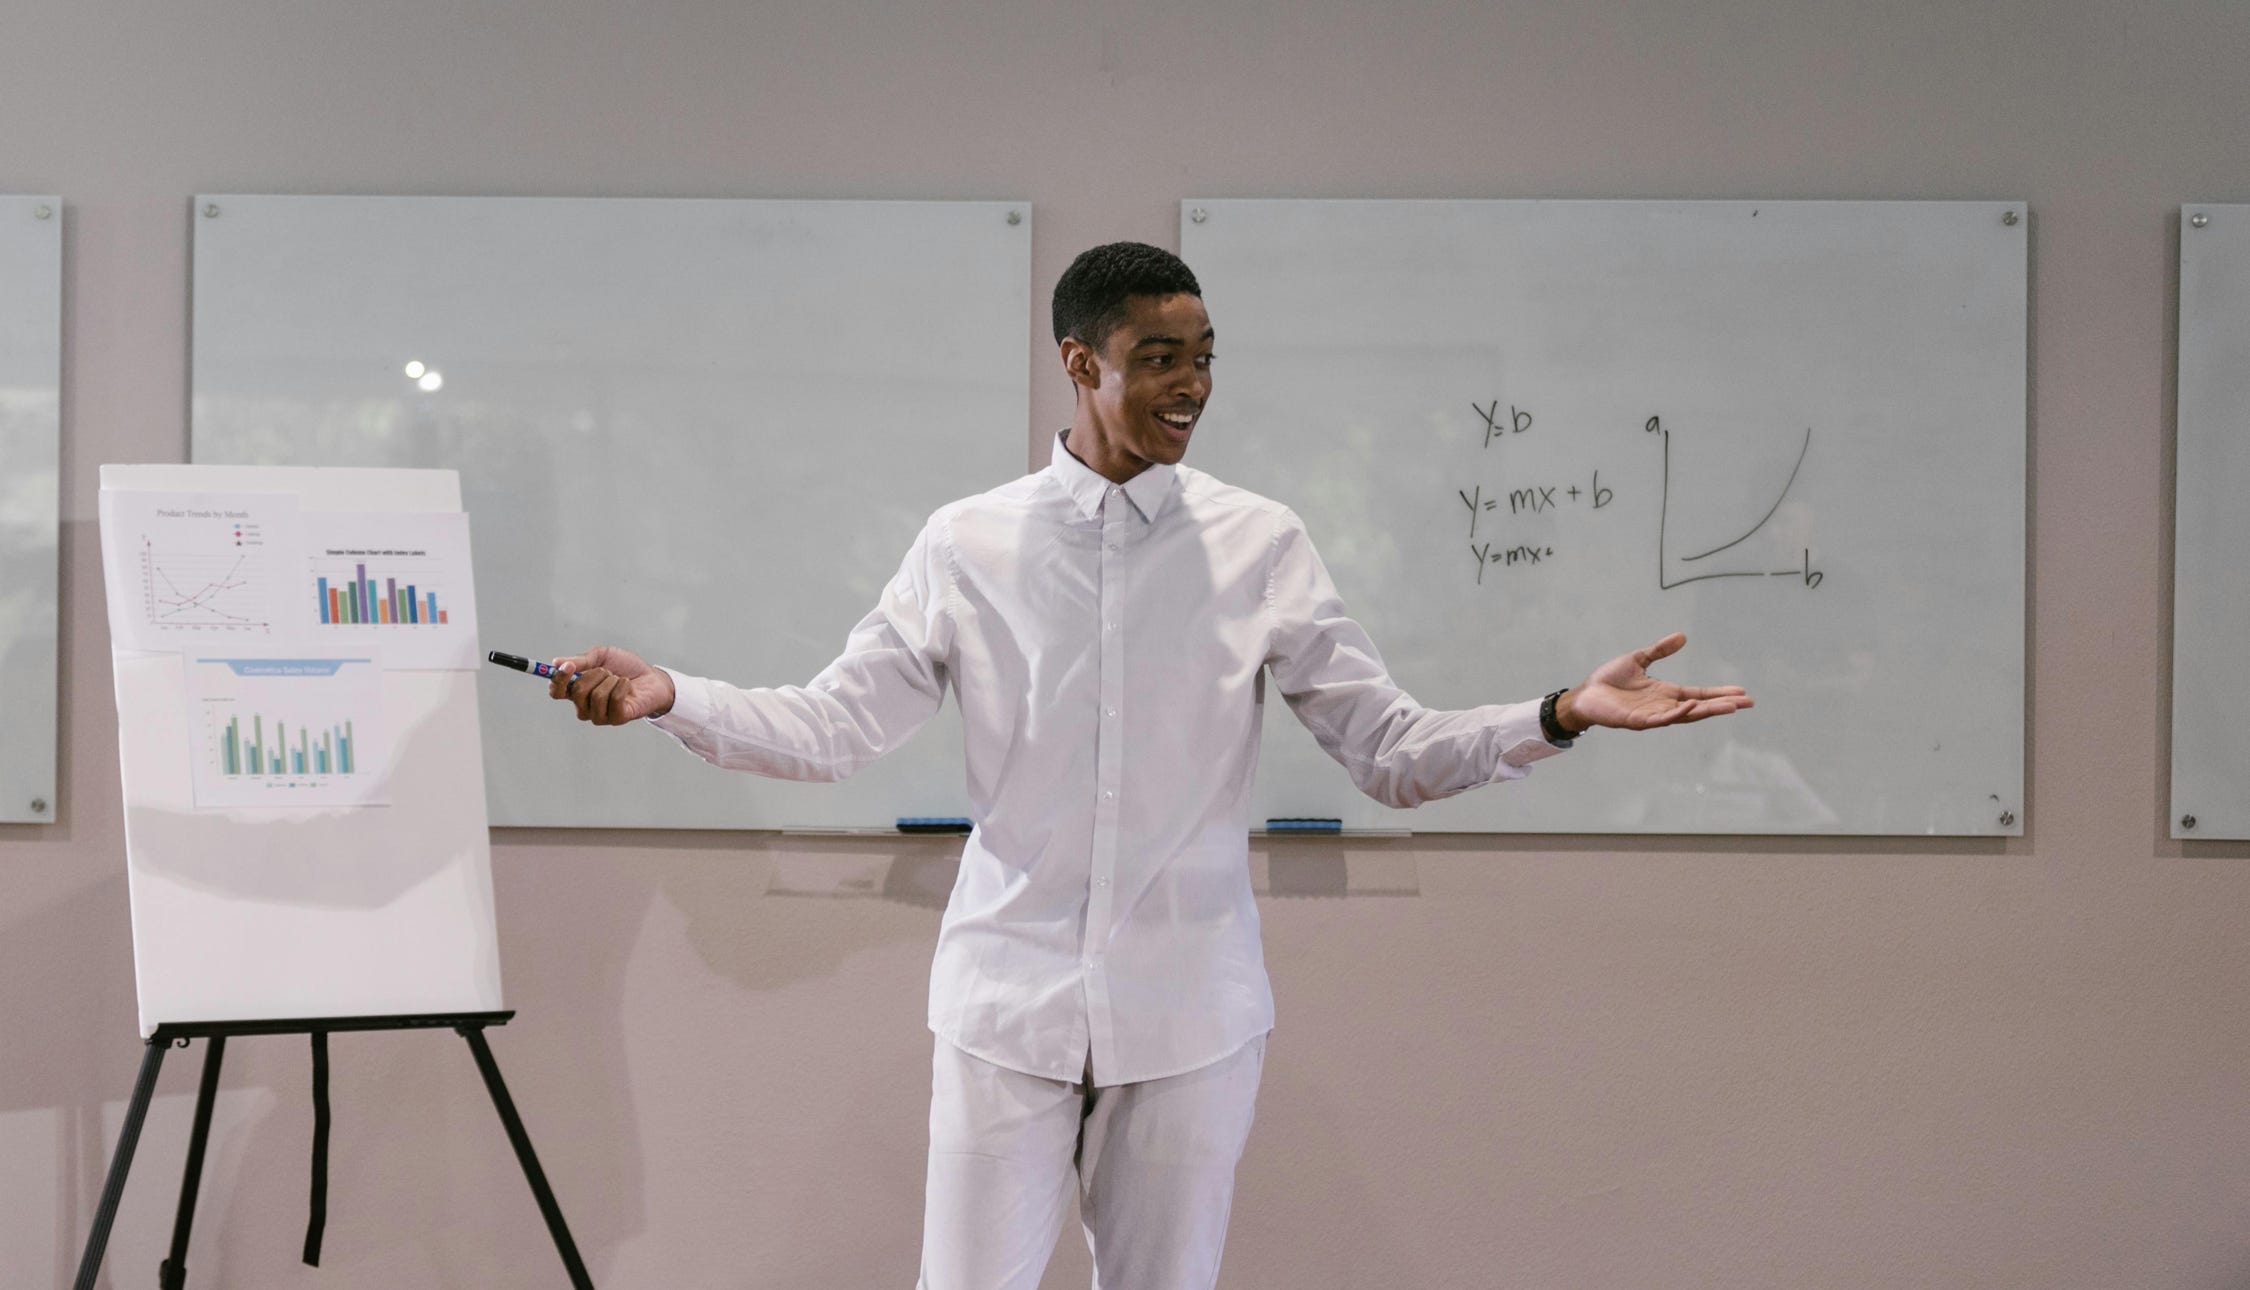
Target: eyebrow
[(1146, 341)]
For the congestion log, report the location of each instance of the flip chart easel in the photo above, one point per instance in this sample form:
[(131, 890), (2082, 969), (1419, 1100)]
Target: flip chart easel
[(172, 1273), (316, 885)]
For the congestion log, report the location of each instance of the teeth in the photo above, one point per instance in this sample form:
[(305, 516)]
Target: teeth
[(1181, 419)]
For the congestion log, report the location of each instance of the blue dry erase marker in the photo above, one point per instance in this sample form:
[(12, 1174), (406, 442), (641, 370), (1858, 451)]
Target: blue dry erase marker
[(524, 664)]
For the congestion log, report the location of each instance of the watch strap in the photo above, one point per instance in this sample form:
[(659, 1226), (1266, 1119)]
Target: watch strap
[(1550, 727)]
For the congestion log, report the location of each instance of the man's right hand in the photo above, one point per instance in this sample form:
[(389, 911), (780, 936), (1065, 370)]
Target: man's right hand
[(610, 686)]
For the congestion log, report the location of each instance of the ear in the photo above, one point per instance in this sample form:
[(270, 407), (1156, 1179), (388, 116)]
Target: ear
[(1080, 363)]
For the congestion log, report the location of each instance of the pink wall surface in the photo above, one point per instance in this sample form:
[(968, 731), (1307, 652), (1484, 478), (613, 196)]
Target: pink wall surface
[(1509, 1061)]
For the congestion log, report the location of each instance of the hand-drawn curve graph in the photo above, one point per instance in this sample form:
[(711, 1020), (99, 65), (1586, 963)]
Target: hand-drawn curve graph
[(1738, 566), (222, 589)]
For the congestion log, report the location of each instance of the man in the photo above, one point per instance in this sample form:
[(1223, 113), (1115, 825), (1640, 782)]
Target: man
[(1107, 626)]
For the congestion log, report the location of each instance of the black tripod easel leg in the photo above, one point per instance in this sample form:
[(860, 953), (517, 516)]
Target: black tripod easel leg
[(524, 1155), (121, 1163), (172, 1273)]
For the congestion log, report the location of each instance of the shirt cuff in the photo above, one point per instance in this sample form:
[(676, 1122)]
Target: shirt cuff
[(1520, 740), (691, 705)]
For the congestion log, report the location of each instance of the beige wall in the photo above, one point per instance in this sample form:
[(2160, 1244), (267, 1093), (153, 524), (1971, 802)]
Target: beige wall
[(1551, 1062)]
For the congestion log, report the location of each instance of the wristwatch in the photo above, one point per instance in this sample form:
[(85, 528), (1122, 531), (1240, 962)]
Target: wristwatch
[(1552, 728)]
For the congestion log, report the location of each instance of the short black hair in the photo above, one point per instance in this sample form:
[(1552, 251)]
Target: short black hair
[(1091, 294)]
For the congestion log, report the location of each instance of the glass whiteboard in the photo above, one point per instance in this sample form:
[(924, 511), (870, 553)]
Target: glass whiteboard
[(30, 497), (2211, 578), (1527, 436), (705, 430)]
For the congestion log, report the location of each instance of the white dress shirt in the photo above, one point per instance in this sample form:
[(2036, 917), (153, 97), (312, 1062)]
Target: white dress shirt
[(1108, 645)]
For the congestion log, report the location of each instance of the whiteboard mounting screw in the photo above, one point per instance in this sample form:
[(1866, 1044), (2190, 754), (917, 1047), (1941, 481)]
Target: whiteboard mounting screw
[(43, 212), (2009, 219), (2200, 220), (2007, 819), (211, 210), (1199, 214), (2187, 821), (1015, 217), (38, 806)]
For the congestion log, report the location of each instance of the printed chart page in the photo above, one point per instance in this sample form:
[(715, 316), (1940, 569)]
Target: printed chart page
[(190, 569), (288, 730), (396, 583)]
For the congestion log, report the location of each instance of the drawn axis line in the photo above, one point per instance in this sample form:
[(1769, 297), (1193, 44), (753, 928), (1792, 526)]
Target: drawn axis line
[(1663, 515)]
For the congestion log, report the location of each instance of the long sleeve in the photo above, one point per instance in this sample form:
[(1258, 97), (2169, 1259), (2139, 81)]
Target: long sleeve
[(889, 680), (1397, 751)]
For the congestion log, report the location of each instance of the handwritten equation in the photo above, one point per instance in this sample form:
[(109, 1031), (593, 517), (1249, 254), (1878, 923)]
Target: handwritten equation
[(1490, 507)]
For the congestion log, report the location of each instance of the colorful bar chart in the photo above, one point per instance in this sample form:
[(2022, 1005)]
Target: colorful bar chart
[(400, 583), (362, 601), (250, 753)]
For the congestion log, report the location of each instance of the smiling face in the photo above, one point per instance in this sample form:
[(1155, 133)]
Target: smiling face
[(1141, 393)]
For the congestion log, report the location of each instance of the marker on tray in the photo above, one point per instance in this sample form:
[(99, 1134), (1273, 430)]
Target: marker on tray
[(1300, 824), (524, 664), (934, 824)]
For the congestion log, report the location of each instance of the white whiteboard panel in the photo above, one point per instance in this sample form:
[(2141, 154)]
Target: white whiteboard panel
[(2211, 575), (704, 430), (30, 492), (306, 911), (1793, 430)]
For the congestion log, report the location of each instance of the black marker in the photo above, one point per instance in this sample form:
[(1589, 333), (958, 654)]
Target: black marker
[(525, 665)]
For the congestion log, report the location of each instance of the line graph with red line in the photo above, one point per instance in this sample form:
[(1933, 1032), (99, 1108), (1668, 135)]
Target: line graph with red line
[(218, 582)]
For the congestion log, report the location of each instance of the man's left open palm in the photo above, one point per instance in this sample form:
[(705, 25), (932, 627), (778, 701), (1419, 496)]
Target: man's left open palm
[(1622, 694)]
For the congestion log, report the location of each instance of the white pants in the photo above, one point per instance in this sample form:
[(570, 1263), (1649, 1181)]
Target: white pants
[(1153, 1163)]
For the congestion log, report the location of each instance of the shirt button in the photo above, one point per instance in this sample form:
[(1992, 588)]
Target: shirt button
[(1112, 627), (1108, 792), (1113, 712), (1113, 546), (1101, 882)]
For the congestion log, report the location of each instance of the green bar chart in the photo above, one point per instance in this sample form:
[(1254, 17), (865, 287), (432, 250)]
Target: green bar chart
[(249, 752), (289, 731)]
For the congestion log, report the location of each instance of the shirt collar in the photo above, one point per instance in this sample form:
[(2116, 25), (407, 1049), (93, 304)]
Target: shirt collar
[(1148, 491)]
